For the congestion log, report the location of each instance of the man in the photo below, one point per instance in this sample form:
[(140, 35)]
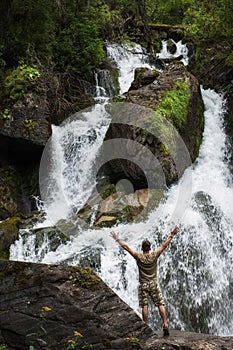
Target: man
[(148, 284)]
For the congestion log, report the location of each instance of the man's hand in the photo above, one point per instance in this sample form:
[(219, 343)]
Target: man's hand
[(114, 235), (122, 244), (174, 231)]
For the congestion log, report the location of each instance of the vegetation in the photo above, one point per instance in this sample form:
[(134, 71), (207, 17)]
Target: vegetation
[(38, 339), (174, 104), (71, 34), (60, 43)]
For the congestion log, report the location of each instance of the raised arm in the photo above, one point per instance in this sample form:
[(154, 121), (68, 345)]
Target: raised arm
[(122, 244), (165, 244)]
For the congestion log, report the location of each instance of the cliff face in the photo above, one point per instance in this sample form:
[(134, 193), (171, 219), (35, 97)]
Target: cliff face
[(52, 307)]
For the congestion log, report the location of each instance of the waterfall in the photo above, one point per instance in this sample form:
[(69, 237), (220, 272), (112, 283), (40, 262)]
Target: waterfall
[(181, 50), (195, 271), (128, 58)]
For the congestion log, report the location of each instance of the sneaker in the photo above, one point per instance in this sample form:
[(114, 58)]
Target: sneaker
[(165, 331)]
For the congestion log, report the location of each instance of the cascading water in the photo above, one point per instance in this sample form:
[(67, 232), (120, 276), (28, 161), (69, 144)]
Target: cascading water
[(181, 50), (128, 59), (195, 270)]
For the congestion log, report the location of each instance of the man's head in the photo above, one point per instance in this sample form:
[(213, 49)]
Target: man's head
[(146, 245)]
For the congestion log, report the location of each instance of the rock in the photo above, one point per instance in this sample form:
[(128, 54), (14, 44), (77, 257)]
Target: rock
[(9, 230), (79, 301), (188, 341), (105, 221), (142, 77), (120, 207), (50, 306), (171, 46), (9, 191), (28, 124), (175, 96)]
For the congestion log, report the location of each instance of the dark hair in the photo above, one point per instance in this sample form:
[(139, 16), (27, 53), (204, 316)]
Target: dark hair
[(146, 245)]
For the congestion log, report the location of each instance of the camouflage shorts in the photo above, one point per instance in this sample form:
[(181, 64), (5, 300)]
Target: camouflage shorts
[(152, 290)]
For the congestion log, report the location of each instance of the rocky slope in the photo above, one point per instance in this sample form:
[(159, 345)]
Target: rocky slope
[(51, 307)]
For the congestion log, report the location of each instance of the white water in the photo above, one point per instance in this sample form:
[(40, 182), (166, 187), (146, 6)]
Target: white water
[(75, 146), (195, 270), (128, 59), (181, 49)]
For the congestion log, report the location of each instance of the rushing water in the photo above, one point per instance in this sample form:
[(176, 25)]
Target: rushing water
[(195, 271)]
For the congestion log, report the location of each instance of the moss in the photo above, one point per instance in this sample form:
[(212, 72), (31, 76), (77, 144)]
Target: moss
[(84, 101), (174, 104), (86, 278), (118, 98), (134, 340)]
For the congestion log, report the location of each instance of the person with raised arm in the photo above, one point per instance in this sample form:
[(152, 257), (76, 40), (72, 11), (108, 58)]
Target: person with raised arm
[(148, 281)]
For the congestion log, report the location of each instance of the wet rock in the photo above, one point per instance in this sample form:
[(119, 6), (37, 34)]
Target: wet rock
[(9, 231), (140, 125), (43, 305), (76, 300), (142, 77)]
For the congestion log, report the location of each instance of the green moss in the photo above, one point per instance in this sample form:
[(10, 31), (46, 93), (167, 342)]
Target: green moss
[(20, 80), (174, 104), (86, 278), (118, 98), (134, 340)]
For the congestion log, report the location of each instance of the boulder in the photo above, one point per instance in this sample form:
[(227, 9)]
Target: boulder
[(27, 129), (164, 117)]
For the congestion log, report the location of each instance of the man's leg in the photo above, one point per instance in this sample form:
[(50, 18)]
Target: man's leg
[(143, 300), (145, 314), (162, 312)]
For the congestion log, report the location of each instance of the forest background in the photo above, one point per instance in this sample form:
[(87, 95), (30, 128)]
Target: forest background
[(70, 35)]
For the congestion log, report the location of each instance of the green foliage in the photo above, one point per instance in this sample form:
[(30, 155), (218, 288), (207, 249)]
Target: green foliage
[(77, 343), (4, 347), (174, 104), (209, 19), (29, 125), (20, 80), (37, 338), (28, 29), (6, 114), (78, 47), (167, 12)]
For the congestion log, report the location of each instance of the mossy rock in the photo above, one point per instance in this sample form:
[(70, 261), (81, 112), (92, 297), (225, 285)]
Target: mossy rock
[(86, 278), (9, 230), (143, 76)]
